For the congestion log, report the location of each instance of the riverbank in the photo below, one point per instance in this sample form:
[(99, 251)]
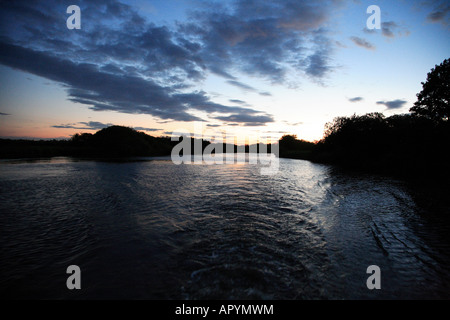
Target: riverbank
[(406, 147), (427, 172)]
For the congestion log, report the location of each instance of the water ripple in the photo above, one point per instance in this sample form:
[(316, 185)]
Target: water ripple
[(155, 230)]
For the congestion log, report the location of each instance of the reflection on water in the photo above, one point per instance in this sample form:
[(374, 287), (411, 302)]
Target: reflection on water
[(151, 229)]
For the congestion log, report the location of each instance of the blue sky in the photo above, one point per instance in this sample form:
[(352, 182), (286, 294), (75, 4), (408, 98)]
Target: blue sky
[(248, 68)]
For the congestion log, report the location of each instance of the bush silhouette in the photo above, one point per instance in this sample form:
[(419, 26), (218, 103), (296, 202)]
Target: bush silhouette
[(406, 145), (291, 147), (120, 141)]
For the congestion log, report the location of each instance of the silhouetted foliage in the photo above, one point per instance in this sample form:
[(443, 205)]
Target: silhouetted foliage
[(34, 149), (111, 142), (356, 130), (118, 141), (81, 138), (405, 145), (434, 99), (114, 141), (291, 147)]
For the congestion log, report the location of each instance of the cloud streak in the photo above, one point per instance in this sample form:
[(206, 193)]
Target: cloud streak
[(247, 120), (356, 99), (147, 129), (241, 85), (389, 29), (393, 104), (360, 42), (91, 125), (440, 14), (94, 125)]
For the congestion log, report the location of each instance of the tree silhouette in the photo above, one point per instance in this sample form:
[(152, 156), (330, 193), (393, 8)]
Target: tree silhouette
[(434, 100), (288, 141), (291, 147)]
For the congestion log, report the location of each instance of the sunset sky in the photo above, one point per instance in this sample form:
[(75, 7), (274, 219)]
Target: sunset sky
[(246, 67)]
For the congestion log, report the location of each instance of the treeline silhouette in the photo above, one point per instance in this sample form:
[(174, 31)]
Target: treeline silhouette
[(404, 145), (401, 144), (291, 147), (111, 142), (119, 141)]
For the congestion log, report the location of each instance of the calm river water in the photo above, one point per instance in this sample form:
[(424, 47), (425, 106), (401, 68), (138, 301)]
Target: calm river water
[(155, 230)]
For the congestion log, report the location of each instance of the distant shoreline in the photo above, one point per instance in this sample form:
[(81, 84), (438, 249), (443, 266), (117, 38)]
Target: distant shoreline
[(402, 146), (32, 150)]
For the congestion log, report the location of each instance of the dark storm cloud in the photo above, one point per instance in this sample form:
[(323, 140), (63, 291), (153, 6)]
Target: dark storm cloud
[(263, 38), (104, 91), (394, 104), (4, 114), (120, 62)]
